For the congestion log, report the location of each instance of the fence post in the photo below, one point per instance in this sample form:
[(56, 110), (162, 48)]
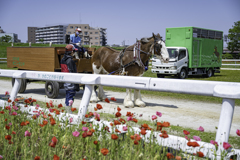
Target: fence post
[(17, 84), (89, 82)]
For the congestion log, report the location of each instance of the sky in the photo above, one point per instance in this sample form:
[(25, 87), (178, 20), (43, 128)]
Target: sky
[(125, 20)]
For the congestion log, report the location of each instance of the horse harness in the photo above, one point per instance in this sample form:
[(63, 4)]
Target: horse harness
[(136, 56)]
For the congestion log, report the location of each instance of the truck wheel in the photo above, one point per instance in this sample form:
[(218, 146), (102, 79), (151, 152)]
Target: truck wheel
[(160, 76), (51, 89), (23, 85), (209, 73), (183, 74)]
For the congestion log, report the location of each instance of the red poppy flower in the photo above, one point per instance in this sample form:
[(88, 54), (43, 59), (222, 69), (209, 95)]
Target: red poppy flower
[(186, 132), (200, 154), (23, 124), (10, 142), (164, 135), (113, 99), (51, 105), (13, 132), (84, 122), (9, 100), (55, 157), (118, 114), (89, 133), (107, 100), (143, 132), (44, 116), (29, 99), (136, 142), (122, 120), (49, 115), (119, 109), (86, 115), (52, 121), (57, 112), (99, 106), (54, 140), (170, 156), (193, 144), (52, 144), (37, 158), (95, 142), (90, 114), (6, 120), (8, 137), (13, 103), (16, 100), (95, 109), (60, 105), (135, 120), (92, 130), (64, 147), (8, 108), (116, 130), (104, 151), (107, 128), (73, 109), (129, 114), (27, 122), (111, 124), (116, 122), (7, 127), (47, 105), (2, 112), (145, 125), (34, 116), (42, 125), (84, 135)]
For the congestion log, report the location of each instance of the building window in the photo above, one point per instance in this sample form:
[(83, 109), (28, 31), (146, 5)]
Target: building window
[(96, 42), (71, 26), (85, 27), (90, 32), (96, 32), (86, 33), (90, 37), (69, 32), (96, 37), (76, 27)]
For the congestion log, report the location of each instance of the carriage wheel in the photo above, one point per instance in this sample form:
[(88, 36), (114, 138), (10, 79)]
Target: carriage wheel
[(51, 89), (23, 85)]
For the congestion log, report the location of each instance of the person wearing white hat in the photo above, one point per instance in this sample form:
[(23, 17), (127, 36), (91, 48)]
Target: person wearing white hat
[(76, 41)]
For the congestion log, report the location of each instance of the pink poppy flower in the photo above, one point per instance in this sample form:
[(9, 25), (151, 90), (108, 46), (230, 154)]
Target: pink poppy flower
[(159, 114), (96, 115), (1, 157), (51, 110), (14, 113), (154, 117), (71, 120), (197, 138), (125, 128), (50, 101), (27, 134), (201, 129), (226, 145), (70, 102), (37, 105), (214, 142), (238, 132), (15, 108), (10, 124), (186, 137), (85, 129), (129, 118), (76, 134)]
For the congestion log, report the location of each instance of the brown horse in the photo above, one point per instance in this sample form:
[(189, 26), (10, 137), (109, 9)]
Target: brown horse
[(130, 62)]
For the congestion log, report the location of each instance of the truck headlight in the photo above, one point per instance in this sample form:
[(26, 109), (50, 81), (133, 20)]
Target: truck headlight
[(173, 68)]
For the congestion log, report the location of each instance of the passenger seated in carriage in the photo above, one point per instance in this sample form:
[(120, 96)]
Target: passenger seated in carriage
[(76, 41)]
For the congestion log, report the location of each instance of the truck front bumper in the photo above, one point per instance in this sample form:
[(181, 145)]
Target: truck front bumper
[(158, 71)]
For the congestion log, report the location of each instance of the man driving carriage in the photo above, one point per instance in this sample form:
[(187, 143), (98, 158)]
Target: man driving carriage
[(76, 41)]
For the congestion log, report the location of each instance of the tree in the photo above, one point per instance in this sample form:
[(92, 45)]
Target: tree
[(234, 36), (6, 38), (41, 40)]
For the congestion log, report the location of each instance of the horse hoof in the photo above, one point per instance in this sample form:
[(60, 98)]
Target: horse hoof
[(140, 103), (128, 104)]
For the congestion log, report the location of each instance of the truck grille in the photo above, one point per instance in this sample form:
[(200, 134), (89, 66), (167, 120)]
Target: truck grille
[(162, 67)]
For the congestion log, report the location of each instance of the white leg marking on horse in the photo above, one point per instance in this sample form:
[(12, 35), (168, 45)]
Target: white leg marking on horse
[(138, 99), (128, 99), (93, 98), (101, 94)]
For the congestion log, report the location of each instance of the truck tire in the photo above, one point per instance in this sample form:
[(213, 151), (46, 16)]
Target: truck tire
[(160, 75), (183, 74), (23, 85), (51, 89), (209, 73)]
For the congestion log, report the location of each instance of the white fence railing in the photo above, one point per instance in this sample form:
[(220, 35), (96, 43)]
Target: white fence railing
[(1, 60), (230, 60), (228, 91)]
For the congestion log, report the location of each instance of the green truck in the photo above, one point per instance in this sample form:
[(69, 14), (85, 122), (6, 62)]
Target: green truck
[(192, 51)]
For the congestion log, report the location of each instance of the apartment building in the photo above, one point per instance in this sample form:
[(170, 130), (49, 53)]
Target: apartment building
[(31, 34), (54, 34), (89, 35)]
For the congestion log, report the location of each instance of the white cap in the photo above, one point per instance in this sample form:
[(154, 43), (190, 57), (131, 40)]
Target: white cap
[(79, 30)]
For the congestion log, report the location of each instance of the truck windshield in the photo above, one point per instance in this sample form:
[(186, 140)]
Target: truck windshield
[(173, 53)]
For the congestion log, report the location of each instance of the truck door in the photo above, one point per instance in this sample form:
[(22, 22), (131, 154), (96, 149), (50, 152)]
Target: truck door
[(182, 59), (196, 53)]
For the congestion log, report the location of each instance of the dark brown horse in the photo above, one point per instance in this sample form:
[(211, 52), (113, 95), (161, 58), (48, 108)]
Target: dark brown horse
[(129, 61)]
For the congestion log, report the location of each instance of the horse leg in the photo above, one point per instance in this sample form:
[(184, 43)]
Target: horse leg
[(101, 94), (138, 99), (128, 99), (93, 98)]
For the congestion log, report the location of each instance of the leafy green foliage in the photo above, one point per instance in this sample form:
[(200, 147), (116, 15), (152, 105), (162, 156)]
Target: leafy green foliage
[(234, 36), (6, 39)]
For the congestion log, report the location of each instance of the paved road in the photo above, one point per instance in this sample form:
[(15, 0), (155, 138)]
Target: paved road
[(178, 112)]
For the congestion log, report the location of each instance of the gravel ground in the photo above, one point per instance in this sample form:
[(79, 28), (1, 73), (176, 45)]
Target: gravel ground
[(184, 113)]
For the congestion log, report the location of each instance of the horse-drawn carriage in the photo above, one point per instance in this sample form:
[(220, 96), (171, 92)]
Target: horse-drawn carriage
[(44, 59)]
